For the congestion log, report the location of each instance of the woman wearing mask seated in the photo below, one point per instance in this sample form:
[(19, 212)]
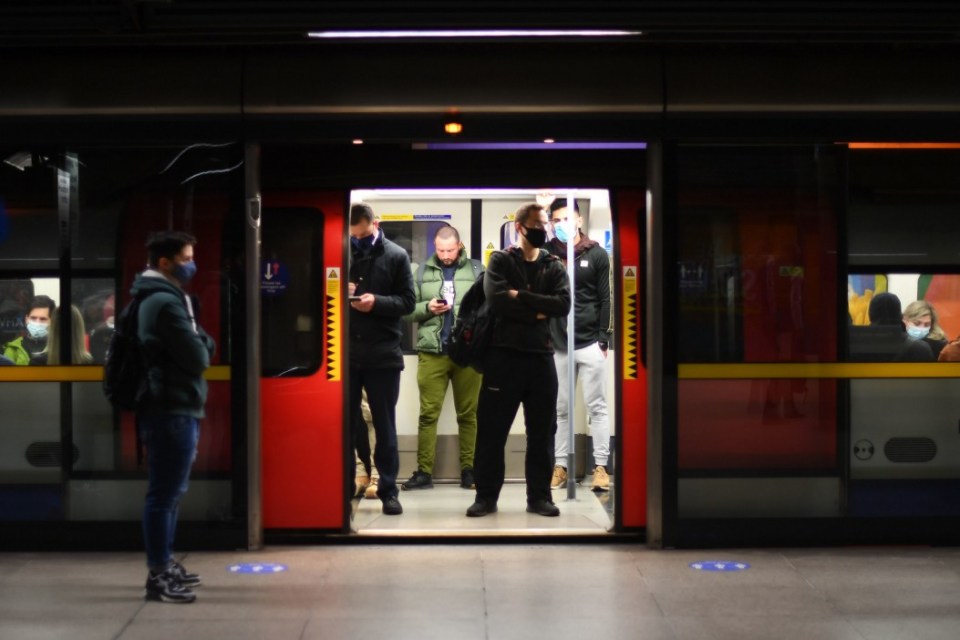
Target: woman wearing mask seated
[(920, 320)]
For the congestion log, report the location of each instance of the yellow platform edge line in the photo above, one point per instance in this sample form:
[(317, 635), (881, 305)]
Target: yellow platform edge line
[(218, 373), (823, 370)]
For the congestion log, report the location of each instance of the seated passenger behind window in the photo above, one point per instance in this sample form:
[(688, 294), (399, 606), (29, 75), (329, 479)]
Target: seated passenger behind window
[(920, 319), (24, 349), (78, 347), (100, 335), (885, 338)]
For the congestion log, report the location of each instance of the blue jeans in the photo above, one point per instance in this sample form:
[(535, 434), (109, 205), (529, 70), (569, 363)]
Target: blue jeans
[(171, 445)]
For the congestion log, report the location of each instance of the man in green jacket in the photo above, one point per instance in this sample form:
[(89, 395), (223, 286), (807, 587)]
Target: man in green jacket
[(440, 284), (26, 348)]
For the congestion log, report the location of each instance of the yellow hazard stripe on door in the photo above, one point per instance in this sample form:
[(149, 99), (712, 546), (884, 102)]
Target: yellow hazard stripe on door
[(629, 338)]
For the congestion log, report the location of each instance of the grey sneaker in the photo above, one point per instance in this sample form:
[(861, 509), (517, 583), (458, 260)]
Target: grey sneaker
[(186, 578), (166, 587)]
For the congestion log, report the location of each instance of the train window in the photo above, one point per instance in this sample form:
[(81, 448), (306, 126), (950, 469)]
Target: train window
[(291, 286)]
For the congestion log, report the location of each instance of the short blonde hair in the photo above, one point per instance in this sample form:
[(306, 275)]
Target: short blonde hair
[(919, 308)]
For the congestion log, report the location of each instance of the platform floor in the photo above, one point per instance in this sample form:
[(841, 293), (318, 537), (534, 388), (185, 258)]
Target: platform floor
[(494, 592)]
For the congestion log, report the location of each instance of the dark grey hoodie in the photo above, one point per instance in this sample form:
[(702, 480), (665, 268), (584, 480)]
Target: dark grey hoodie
[(177, 350)]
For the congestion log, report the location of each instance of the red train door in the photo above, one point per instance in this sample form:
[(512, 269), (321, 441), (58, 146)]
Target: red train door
[(628, 226), (302, 335)]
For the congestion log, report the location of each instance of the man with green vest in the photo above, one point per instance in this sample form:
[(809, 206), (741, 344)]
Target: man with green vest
[(440, 283), (28, 347)]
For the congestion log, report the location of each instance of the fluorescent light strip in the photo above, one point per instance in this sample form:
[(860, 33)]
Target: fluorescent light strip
[(525, 146), (477, 33)]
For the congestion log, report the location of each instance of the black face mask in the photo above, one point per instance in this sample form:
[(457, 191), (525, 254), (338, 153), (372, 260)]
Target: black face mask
[(536, 237)]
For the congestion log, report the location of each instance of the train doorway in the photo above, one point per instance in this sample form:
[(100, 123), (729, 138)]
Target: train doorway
[(309, 461)]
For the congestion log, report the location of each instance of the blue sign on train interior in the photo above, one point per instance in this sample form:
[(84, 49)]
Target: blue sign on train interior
[(274, 277), (719, 565), (257, 567)]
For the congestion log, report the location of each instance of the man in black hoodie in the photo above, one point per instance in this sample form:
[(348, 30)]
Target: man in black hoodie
[(525, 287), (591, 340), (381, 293), (176, 352)]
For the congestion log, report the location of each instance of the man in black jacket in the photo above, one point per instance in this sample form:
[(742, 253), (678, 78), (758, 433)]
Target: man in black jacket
[(381, 293), (525, 287)]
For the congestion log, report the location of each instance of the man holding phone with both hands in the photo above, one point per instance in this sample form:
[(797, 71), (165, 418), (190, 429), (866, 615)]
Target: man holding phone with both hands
[(440, 283)]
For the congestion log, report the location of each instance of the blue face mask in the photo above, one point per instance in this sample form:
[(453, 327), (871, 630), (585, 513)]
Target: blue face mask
[(185, 272), (560, 230), (917, 333), (37, 330), (364, 243)]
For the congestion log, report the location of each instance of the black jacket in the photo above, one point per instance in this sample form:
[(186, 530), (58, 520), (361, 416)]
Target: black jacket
[(517, 326), (384, 271), (591, 314)]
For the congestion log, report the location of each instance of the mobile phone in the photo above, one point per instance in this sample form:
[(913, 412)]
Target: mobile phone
[(441, 301), (354, 298)]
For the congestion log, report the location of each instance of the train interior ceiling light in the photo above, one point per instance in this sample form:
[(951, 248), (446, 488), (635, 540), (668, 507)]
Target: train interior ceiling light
[(473, 33)]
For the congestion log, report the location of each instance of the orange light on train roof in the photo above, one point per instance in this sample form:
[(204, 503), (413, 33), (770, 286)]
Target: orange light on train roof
[(453, 127), (903, 145)]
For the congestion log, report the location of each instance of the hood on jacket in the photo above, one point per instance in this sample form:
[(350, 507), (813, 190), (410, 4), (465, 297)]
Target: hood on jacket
[(154, 281)]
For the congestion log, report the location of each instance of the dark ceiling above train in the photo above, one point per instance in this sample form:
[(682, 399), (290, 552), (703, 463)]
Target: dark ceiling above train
[(32, 23)]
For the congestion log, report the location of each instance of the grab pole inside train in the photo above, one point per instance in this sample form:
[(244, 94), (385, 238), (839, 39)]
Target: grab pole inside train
[(571, 380)]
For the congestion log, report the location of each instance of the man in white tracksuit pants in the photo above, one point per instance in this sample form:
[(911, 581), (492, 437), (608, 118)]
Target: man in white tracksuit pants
[(591, 341)]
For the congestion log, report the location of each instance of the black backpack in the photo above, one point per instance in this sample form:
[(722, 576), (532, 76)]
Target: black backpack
[(473, 329), (124, 369)]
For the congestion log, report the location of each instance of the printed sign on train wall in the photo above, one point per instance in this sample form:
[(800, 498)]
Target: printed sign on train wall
[(274, 277)]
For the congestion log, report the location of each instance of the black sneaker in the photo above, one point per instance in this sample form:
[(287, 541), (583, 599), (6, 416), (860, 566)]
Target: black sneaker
[(466, 479), (186, 578), (419, 480), (165, 587), (481, 508), (543, 507), (391, 507)]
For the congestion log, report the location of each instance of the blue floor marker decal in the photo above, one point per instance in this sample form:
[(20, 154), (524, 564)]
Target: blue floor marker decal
[(719, 565), (257, 567)]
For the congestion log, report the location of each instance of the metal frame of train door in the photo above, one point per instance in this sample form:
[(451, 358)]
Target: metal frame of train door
[(252, 343)]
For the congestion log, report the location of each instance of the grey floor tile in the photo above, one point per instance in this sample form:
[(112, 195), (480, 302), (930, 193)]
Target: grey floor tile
[(727, 627), (375, 626), (52, 628), (214, 629), (590, 626), (744, 601), (915, 628)]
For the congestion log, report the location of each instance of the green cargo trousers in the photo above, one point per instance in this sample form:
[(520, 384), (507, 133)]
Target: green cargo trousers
[(434, 371)]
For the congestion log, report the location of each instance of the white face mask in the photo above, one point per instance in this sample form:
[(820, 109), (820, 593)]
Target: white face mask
[(917, 333), (37, 330)]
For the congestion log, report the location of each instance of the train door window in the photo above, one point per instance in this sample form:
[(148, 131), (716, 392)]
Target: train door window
[(756, 267), (291, 286), (903, 306)]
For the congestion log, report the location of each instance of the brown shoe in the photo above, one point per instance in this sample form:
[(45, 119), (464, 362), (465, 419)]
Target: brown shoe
[(371, 492), (360, 483), (601, 479), (559, 477)]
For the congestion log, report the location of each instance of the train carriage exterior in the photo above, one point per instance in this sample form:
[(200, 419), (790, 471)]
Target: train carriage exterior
[(747, 220)]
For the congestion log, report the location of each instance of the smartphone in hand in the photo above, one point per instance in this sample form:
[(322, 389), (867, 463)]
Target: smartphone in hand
[(354, 298)]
